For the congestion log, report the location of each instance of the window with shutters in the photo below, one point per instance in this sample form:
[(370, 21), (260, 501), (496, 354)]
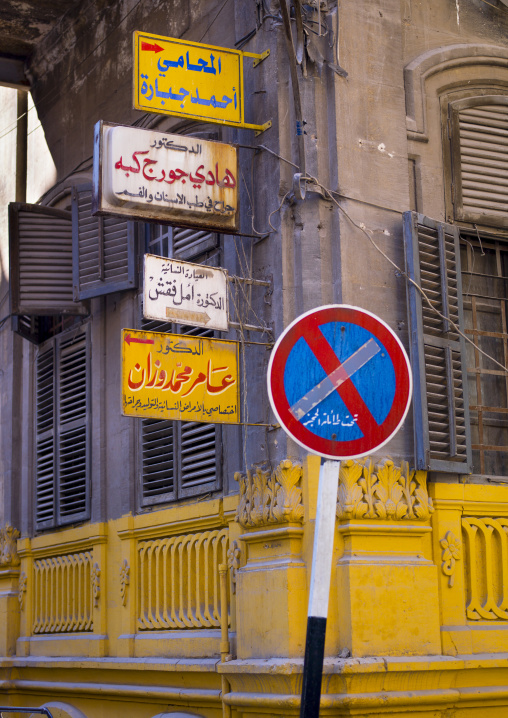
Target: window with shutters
[(59, 258), (438, 355), (179, 458), (62, 429), (477, 129)]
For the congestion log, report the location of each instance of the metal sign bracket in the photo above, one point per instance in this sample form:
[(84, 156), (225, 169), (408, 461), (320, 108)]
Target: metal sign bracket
[(257, 58)]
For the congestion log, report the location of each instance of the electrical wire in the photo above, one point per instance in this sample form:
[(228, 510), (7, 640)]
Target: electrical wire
[(215, 18), (328, 193), (2, 321), (402, 273)]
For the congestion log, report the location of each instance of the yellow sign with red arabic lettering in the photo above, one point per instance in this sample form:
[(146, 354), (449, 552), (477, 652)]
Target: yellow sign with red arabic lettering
[(189, 79), (174, 376)]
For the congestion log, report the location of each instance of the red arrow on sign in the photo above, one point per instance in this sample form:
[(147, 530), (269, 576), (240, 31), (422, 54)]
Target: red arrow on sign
[(149, 46), (130, 339)]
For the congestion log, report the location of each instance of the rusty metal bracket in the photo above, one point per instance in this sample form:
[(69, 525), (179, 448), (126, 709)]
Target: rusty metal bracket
[(258, 129), (257, 58)]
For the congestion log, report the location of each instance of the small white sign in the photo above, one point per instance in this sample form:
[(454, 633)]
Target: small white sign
[(185, 293), (155, 175)]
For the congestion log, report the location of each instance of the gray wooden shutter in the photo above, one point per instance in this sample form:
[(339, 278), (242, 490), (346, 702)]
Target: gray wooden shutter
[(62, 429), (190, 243), (103, 249), (178, 458), (199, 447), (158, 461), (27, 327), (479, 150), (45, 502), (40, 258), (438, 359), (158, 449), (73, 426)]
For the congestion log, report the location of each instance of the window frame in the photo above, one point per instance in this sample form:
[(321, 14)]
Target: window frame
[(493, 242)]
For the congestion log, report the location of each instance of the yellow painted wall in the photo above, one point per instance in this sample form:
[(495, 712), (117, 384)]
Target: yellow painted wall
[(124, 618)]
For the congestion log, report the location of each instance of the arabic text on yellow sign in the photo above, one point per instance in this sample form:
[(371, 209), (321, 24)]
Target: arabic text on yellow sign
[(187, 79), (172, 376)]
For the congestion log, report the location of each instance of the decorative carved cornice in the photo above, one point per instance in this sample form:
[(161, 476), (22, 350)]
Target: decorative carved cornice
[(383, 491), (8, 546), (270, 497)]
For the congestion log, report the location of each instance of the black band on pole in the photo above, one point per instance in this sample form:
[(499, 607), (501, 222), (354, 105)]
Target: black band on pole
[(313, 667)]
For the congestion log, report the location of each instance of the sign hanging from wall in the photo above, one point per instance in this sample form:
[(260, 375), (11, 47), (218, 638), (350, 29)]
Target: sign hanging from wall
[(174, 376), (339, 381), (187, 293), (189, 79), (170, 178)]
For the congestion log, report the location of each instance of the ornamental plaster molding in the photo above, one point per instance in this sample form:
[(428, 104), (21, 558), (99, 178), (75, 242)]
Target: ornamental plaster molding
[(382, 491), (8, 546), (233, 563), (450, 555), (22, 589), (270, 497), (95, 577), (125, 580), (459, 62)]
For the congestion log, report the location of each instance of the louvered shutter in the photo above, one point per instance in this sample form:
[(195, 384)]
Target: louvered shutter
[(438, 359), (45, 500), (73, 431), (479, 150), (199, 446), (158, 450), (103, 249), (40, 258), (62, 429), (189, 243), (28, 327), (178, 458)]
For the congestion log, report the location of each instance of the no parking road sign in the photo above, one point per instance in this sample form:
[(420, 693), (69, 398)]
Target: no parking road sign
[(339, 381), (340, 384)]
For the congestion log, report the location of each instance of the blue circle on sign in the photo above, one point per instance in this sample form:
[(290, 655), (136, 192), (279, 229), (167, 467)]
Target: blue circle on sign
[(330, 418)]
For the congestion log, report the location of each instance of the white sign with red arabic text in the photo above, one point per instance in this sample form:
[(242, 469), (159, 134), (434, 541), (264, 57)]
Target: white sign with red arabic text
[(171, 178)]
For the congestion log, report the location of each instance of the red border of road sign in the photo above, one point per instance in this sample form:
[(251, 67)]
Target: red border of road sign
[(375, 436)]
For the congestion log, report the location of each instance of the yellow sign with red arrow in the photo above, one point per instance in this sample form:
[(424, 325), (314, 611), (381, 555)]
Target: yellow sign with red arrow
[(174, 376)]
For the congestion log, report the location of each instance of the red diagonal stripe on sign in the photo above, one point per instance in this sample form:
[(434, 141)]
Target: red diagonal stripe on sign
[(347, 391)]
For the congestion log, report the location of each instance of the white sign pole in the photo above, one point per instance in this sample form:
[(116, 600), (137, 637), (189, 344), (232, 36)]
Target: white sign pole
[(319, 593)]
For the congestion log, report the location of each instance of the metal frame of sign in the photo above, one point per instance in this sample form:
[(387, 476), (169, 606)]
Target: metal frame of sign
[(155, 41), (307, 323)]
